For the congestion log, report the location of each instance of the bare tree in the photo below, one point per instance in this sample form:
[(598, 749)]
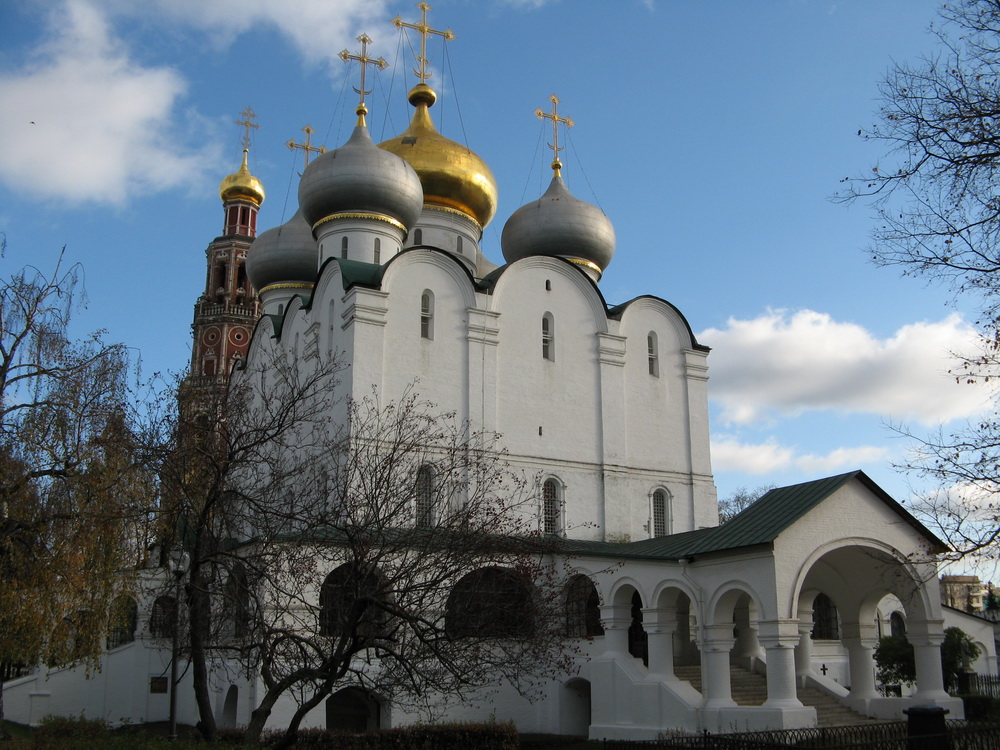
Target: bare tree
[(71, 486), (373, 543), (935, 193), (938, 213), (741, 499)]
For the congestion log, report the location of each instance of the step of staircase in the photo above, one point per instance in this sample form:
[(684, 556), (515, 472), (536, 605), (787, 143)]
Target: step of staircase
[(750, 689)]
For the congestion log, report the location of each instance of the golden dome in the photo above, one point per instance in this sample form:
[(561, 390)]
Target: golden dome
[(452, 176), (242, 184)]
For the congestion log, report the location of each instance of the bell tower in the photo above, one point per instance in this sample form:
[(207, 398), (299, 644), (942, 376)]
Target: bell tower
[(225, 314)]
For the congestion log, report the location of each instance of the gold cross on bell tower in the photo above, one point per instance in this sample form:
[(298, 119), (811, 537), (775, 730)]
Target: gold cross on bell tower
[(306, 147), (424, 31), (364, 61), (556, 119), (249, 121)]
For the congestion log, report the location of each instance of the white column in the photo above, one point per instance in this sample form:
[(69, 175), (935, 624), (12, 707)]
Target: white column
[(616, 624), (715, 642), (860, 645), (927, 660), (660, 625), (781, 672), (803, 653)]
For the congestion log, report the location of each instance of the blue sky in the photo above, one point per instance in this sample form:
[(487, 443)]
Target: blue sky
[(711, 133)]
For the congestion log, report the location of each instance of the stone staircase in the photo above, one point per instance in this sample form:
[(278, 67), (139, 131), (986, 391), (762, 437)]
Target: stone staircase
[(750, 689)]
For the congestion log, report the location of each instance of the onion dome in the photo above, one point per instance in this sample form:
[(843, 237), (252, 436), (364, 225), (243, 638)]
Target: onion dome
[(560, 225), (242, 184), (360, 179), (285, 254), (453, 177)]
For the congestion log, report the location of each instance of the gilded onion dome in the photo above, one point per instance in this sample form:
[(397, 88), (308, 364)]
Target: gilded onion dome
[(452, 176), (361, 178), (559, 224), (242, 184), (285, 254)]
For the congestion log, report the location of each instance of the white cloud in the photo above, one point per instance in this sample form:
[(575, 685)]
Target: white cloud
[(84, 122), (793, 363), (730, 454), (319, 29)]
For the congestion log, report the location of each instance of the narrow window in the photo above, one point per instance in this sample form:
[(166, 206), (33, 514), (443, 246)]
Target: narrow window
[(654, 360), (418, 237), (458, 244), (548, 338), (163, 618), (427, 315), (343, 247), (550, 507), (825, 622), (378, 250), (659, 513), (424, 497), (548, 285)]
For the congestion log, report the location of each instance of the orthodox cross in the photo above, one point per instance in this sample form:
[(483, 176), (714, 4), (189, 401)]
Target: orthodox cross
[(364, 61), (305, 146), (424, 31), (556, 119), (248, 121)]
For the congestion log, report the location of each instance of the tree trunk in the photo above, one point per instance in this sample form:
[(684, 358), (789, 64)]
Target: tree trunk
[(198, 604), (291, 733)]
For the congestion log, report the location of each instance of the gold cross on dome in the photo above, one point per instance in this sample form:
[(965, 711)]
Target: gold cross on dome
[(424, 31), (248, 121), (306, 147), (364, 61), (556, 119)]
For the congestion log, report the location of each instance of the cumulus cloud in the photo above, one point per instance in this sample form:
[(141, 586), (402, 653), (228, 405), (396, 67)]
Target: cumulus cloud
[(318, 29), (730, 454), (82, 121), (788, 364)]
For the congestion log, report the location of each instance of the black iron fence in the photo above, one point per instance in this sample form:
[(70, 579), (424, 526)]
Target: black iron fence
[(958, 735), (979, 684)]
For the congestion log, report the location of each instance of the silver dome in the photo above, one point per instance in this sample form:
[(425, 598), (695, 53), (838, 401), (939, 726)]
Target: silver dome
[(284, 254), (558, 224), (359, 176)]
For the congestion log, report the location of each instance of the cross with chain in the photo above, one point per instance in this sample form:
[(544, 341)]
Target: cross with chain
[(306, 147), (556, 119), (364, 61), (248, 121), (424, 31)]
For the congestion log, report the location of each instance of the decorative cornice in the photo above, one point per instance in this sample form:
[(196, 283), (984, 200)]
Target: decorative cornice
[(360, 215)]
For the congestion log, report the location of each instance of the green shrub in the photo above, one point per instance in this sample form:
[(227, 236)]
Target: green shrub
[(63, 731), (981, 707)]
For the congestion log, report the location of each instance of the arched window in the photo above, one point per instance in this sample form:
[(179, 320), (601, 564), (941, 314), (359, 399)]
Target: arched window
[(424, 497), (548, 338), (458, 244), (583, 608), (661, 515), (825, 624), (653, 355), (343, 247), (418, 237), (427, 314), (897, 625), (490, 603), (163, 617), (124, 617), (378, 250), (349, 604), (551, 507)]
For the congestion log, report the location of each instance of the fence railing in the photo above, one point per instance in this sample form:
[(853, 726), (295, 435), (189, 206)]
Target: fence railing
[(959, 735)]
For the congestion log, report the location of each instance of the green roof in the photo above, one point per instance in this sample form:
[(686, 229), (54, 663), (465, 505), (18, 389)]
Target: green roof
[(761, 523)]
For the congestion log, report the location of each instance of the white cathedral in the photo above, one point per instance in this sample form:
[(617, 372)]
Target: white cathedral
[(768, 621)]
